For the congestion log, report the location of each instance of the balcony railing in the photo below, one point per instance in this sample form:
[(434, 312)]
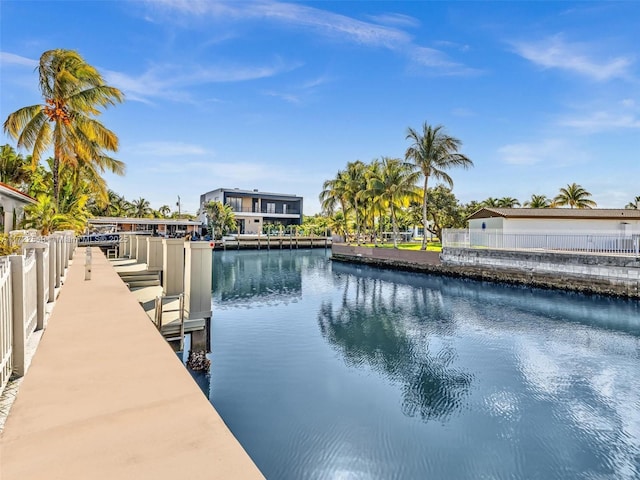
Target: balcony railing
[(266, 211)]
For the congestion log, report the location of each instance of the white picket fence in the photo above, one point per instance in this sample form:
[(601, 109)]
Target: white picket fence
[(27, 284), (599, 243)]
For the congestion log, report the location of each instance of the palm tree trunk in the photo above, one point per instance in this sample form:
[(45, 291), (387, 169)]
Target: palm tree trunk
[(55, 171), (357, 223), (425, 220), (395, 227)]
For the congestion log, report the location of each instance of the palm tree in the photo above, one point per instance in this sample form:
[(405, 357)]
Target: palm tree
[(335, 194), (508, 202), (635, 204), (165, 211), (44, 216), (490, 202), (575, 196), (14, 168), (433, 152), (141, 208), (356, 183), (395, 185), (538, 201), (73, 92)]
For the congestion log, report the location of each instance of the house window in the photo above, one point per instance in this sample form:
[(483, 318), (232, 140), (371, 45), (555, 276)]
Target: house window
[(284, 208), (236, 203), (271, 208)]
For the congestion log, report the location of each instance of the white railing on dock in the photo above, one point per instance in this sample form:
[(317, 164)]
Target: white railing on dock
[(6, 320), (598, 243)]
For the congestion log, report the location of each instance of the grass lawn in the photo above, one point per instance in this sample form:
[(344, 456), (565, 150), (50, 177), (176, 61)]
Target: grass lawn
[(433, 247)]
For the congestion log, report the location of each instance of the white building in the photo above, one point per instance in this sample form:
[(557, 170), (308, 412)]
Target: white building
[(556, 221), (254, 209), (12, 203), (560, 229)]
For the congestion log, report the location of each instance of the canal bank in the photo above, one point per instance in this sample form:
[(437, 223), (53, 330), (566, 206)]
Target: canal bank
[(617, 276), (106, 397)]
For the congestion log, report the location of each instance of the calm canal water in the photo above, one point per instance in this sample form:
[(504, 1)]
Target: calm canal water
[(332, 371)]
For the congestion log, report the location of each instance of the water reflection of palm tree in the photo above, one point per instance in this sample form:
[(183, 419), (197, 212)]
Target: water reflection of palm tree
[(371, 330)]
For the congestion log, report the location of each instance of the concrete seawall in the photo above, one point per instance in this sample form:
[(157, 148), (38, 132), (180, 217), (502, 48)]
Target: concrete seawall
[(106, 397), (595, 274)]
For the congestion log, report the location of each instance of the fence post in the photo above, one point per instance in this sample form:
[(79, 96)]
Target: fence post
[(87, 264), (59, 249), (19, 306), (39, 248), (52, 268)]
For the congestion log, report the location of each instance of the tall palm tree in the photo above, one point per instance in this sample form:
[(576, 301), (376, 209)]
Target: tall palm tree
[(335, 193), (73, 93), (538, 201), (356, 183), (433, 152), (395, 185), (141, 207), (575, 196)]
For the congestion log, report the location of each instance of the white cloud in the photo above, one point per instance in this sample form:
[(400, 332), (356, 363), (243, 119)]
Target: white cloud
[(555, 52), (602, 121), (463, 112), (168, 81), (7, 58), (551, 152), (396, 19), (167, 149), (324, 23)]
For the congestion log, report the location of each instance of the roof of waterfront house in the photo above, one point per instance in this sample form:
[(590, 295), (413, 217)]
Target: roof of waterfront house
[(14, 193), (254, 193), (560, 213), (142, 221)]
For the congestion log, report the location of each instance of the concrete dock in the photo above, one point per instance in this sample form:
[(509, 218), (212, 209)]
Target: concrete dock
[(107, 398)]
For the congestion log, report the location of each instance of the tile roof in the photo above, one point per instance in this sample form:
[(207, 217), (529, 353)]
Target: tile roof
[(15, 193)]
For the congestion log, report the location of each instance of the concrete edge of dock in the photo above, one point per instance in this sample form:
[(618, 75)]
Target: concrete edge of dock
[(106, 397)]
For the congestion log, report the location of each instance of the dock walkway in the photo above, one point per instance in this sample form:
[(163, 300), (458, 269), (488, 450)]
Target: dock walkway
[(107, 398)]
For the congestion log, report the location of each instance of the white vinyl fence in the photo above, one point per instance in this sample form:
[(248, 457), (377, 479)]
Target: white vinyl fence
[(6, 330), (27, 284), (611, 243)]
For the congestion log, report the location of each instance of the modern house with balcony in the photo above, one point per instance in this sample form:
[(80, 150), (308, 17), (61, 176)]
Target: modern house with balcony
[(255, 209)]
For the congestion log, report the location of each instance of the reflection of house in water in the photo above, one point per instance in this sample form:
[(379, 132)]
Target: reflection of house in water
[(257, 276)]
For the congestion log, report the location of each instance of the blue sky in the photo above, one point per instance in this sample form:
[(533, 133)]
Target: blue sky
[(281, 95)]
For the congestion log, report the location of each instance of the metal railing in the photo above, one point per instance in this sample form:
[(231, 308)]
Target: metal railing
[(266, 211), (6, 322), (598, 243)]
